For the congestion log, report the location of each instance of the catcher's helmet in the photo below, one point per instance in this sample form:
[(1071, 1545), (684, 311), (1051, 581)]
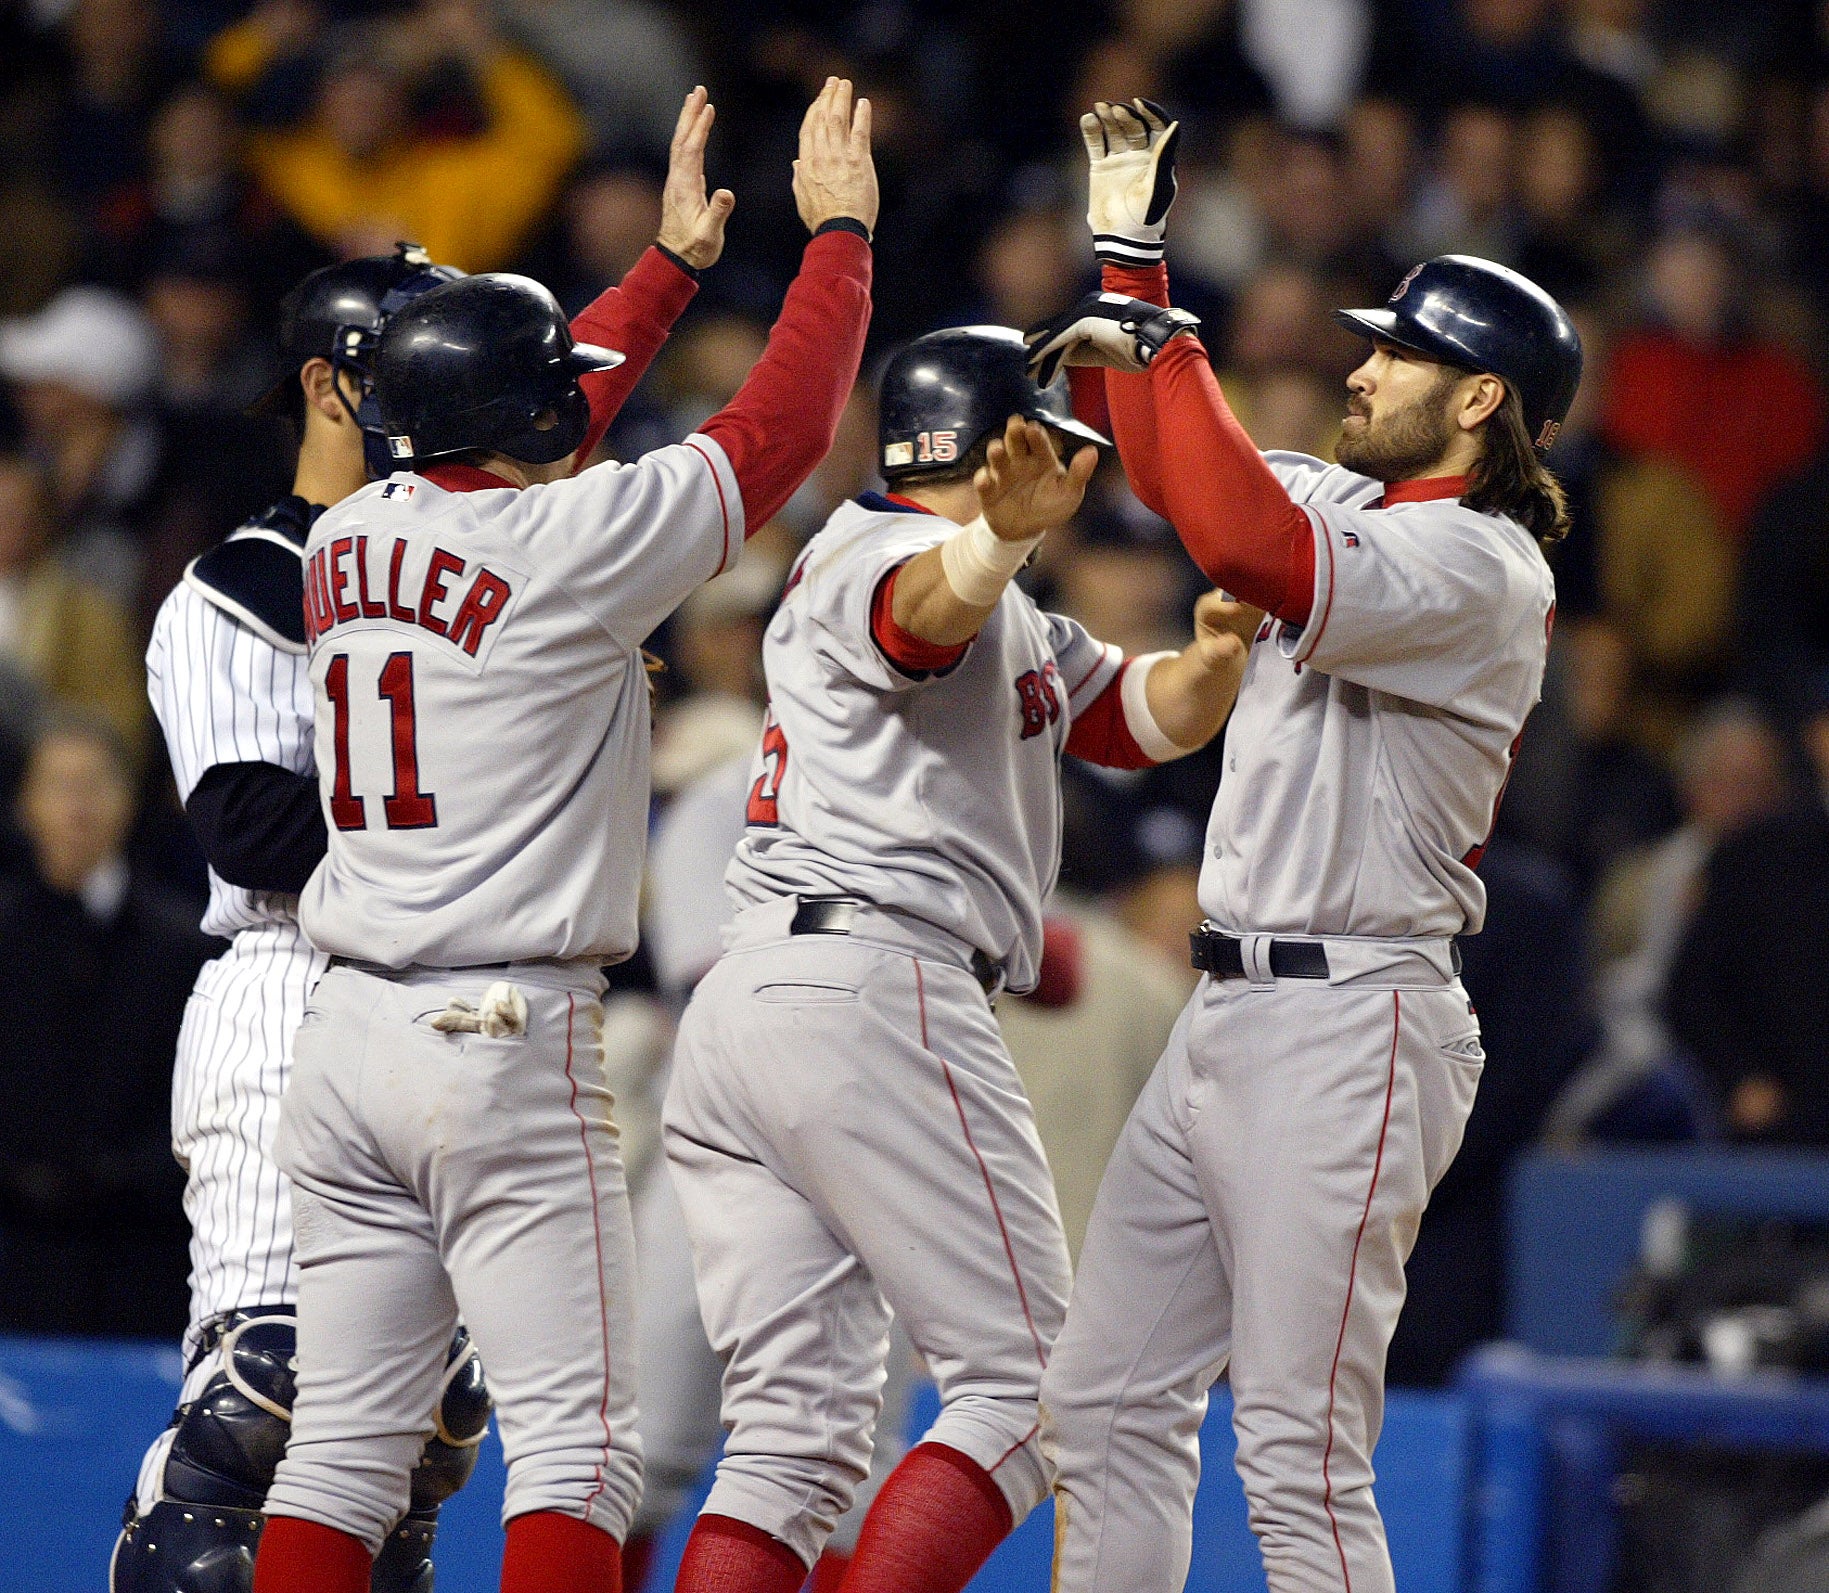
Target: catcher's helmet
[(479, 363), (946, 392), (337, 313), (1484, 317)]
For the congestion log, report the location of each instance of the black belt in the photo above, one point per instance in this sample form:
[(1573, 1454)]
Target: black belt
[(1221, 955), (836, 915)]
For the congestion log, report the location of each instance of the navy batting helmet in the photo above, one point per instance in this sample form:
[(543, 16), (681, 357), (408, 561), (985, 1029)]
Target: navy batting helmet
[(487, 362), (1484, 317), (945, 393), (337, 313)]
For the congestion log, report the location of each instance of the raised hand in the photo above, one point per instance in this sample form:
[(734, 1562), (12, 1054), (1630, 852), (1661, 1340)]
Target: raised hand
[(1023, 490), (1221, 626), (1131, 150), (691, 225), (835, 175), (1103, 329)]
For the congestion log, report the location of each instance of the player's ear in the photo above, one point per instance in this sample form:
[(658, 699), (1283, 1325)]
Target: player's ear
[(318, 377), (1480, 401)]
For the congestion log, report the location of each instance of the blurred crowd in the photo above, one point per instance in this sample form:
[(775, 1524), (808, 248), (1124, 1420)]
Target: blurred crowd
[(1654, 962)]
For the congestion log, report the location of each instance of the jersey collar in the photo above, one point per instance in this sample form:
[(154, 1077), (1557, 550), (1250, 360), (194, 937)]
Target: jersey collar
[(455, 476), (1423, 491), (891, 503)]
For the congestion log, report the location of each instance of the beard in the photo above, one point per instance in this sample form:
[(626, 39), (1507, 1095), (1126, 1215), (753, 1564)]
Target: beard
[(1404, 443)]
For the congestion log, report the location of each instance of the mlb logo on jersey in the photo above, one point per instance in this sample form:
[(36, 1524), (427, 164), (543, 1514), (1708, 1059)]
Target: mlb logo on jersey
[(399, 489)]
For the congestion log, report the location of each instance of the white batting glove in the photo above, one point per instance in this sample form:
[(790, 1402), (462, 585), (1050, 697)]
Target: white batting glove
[(1103, 329), (1131, 149)]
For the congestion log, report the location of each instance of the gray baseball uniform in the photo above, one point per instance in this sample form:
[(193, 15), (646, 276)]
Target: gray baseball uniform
[(482, 743), (1258, 1211), (847, 1131)]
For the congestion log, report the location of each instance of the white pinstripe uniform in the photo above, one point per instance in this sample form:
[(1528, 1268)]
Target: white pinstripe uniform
[(227, 689)]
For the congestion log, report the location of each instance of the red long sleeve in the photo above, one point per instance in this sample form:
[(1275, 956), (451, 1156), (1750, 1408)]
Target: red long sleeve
[(1225, 503), (784, 417), (1101, 733), (1188, 458), (1128, 398), (633, 318)]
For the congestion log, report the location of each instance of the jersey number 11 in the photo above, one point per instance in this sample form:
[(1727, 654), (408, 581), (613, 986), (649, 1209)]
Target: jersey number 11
[(408, 808)]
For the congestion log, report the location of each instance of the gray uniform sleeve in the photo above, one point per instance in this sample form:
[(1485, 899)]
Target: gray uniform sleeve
[(630, 542), (1087, 665), (840, 590), (1419, 601)]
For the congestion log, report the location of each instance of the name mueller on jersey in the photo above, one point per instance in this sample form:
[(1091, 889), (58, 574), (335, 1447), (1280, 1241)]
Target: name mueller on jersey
[(409, 581)]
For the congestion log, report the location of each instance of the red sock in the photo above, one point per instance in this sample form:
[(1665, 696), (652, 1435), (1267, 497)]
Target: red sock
[(308, 1557), (551, 1553), (936, 1521), (828, 1572), (725, 1555), (637, 1559)]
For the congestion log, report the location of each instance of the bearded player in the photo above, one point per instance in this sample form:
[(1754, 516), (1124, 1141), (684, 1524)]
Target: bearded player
[(227, 676), (847, 1132), (1257, 1213)]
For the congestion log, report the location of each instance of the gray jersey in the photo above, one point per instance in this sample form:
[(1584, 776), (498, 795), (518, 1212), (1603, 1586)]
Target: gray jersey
[(1369, 749), (938, 796), (482, 705), (226, 693)]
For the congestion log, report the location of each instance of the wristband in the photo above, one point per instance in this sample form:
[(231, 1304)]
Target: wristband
[(1134, 693), (978, 563), (679, 260), (843, 224)]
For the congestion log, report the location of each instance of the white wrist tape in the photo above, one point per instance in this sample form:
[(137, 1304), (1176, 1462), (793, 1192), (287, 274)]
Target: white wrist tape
[(979, 563), (1134, 693)]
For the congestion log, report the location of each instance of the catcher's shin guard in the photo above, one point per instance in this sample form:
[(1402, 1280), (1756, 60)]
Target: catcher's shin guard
[(404, 1564), (201, 1533)]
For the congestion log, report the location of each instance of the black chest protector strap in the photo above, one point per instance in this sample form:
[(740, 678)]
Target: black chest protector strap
[(257, 574)]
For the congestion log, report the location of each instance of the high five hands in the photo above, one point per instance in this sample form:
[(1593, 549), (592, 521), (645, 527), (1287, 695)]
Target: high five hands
[(834, 176), (1023, 489), (692, 225)]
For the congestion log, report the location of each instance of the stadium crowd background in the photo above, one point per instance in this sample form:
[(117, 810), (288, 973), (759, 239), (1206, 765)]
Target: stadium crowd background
[(1659, 927)]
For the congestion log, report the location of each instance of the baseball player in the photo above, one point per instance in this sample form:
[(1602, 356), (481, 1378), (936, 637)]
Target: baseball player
[(847, 1132), (1257, 1213), (481, 731), (227, 676)]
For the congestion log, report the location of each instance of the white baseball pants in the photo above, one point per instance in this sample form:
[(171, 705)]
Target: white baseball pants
[(849, 1136), (234, 1051), (441, 1173), (1255, 1220)]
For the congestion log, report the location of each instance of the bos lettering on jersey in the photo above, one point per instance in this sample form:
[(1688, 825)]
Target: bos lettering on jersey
[(357, 580)]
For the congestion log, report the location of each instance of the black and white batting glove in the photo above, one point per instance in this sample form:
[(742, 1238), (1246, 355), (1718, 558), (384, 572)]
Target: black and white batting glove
[(1103, 329), (1132, 152)]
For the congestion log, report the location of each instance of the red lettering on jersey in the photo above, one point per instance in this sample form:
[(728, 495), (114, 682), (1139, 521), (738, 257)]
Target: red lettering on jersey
[(339, 578), (765, 794), (1040, 700), (320, 592), (310, 603), (482, 607), (441, 565), (395, 609), (370, 608)]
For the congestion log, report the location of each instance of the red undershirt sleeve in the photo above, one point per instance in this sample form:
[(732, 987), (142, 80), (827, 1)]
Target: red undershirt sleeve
[(784, 417), (1086, 385), (634, 318), (1101, 734), (1188, 459), (1129, 401), (908, 652), (1226, 504)]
